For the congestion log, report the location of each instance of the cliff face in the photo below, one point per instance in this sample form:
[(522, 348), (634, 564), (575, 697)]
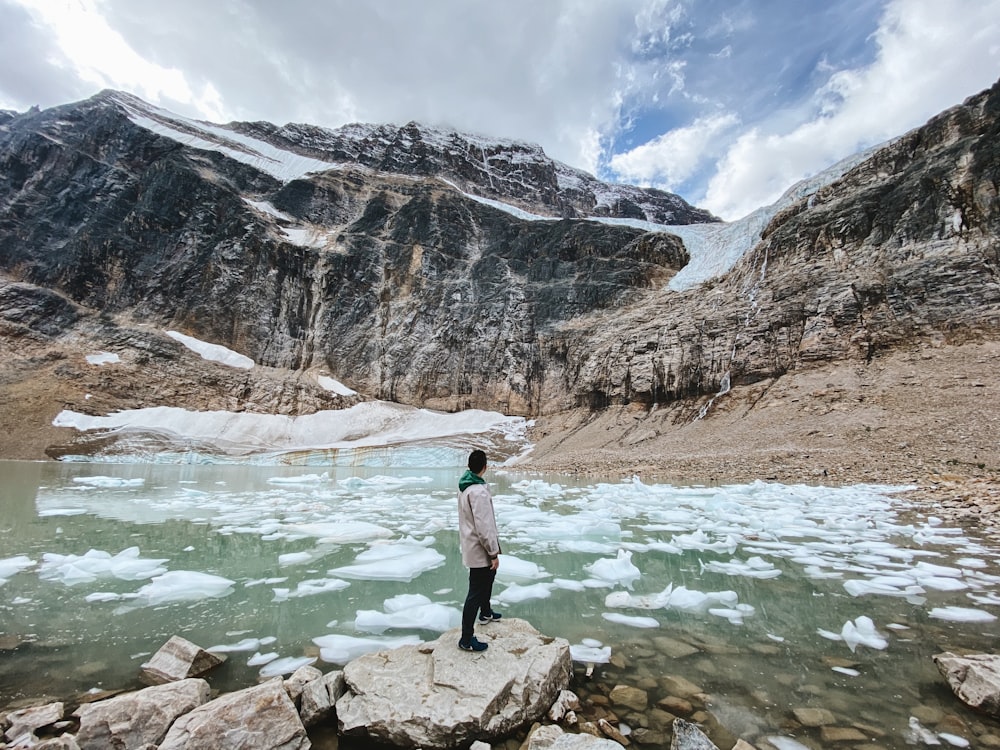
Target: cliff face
[(374, 254)]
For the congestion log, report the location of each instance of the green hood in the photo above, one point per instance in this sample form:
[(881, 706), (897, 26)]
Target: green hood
[(468, 479)]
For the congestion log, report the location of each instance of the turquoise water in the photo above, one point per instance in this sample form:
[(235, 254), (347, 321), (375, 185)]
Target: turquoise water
[(764, 582)]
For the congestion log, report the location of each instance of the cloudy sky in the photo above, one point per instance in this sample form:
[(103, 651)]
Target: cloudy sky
[(726, 102)]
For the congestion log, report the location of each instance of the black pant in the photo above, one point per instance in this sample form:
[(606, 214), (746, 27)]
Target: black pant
[(478, 600)]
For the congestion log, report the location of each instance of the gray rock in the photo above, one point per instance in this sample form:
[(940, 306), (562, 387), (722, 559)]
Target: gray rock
[(319, 698), (179, 659), (629, 697), (688, 737), (814, 717), (298, 680), (975, 679), (139, 718), (567, 702), (26, 721), (261, 717), (551, 737), (64, 742), (438, 696)]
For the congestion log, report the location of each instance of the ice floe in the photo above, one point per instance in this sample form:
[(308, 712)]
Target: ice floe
[(340, 649), (402, 561), (961, 614), (619, 570), (71, 570), (13, 565), (860, 632), (409, 612)]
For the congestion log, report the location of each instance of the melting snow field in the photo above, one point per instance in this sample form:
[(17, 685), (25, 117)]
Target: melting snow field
[(845, 590)]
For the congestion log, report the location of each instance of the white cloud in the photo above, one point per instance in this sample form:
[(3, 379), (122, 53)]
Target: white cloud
[(931, 55), (673, 157)]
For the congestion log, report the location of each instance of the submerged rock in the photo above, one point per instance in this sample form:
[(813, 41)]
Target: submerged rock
[(437, 696), (974, 678), (688, 737)]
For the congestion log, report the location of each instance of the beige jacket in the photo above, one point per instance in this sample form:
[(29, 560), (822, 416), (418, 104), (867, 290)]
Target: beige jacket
[(477, 527)]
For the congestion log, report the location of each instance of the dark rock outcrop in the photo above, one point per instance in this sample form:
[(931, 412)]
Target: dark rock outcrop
[(362, 253)]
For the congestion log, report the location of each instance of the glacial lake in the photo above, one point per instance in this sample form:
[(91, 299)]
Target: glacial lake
[(768, 597)]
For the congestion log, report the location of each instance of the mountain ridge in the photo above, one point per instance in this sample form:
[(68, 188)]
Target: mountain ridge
[(407, 288)]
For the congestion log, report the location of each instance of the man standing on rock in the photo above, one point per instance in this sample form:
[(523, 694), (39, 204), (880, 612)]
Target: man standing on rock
[(477, 532)]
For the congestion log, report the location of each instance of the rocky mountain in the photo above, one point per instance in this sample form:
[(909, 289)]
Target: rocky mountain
[(445, 270)]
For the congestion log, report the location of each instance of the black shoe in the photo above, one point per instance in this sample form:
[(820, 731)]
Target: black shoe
[(473, 645), (492, 617)]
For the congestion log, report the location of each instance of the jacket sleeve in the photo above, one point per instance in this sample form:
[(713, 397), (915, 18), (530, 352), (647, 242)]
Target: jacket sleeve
[(486, 523)]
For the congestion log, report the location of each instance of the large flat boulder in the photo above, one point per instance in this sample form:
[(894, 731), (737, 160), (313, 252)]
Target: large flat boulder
[(435, 695), (139, 718), (261, 717), (974, 678)]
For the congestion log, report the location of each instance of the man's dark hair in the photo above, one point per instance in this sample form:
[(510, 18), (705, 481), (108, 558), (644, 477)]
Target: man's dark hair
[(477, 461)]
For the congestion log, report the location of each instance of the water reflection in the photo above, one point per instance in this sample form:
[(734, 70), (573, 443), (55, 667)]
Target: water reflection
[(742, 583)]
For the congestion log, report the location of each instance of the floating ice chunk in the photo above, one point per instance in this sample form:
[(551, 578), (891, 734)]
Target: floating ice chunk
[(674, 598), (847, 670), (631, 621), (591, 642), (391, 562), (340, 532), (786, 743), (942, 583), (590, 654), (247, 644), (294, 558), (12, 565), (755, 567), (856, 587), (735, 614), (568, 585), (515, 569), (103, 358), (619, 570), (301, 479), (286, 665), (585, 546), (74, 569), (49, 512), (102, 596), (971, 562), (259, 659), (516, 593), (265, 581), (310, 587), (340, 649), (918, 734), (989, 598), (775, 638), (860, 632), (213, 352), (699, 540), (961, 614), (107, 482), (409, 611), (183, 586), (926, 568), (953, 739)]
